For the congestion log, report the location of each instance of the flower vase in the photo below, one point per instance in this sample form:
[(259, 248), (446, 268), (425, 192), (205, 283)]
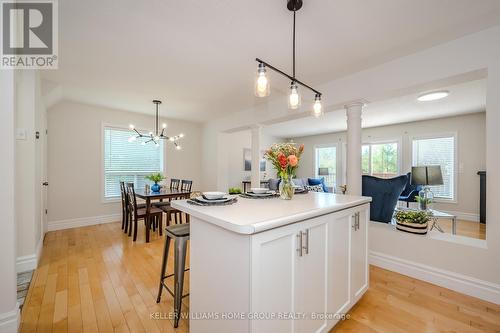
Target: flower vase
[(155, 188), (286, 188)]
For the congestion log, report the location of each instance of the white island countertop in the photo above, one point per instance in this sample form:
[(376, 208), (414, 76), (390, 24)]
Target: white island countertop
[(250, 216)]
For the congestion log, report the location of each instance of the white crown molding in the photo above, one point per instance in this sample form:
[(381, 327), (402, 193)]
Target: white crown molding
[(468, 285), (82, 222), (9, 321)]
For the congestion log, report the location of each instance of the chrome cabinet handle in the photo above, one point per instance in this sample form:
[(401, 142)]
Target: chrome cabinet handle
[(356, 221), (306, 248), (299, 249)]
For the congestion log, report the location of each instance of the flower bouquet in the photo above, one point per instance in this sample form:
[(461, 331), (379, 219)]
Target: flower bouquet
[(285, 158)]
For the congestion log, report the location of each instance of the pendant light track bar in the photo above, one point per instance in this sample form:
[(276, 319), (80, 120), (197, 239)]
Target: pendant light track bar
[(288, 76)]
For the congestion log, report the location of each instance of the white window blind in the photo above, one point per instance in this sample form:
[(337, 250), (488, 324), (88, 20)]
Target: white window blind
[(128, 161), (438, 151)]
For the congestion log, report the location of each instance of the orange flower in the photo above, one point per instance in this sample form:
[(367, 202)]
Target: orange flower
[(293, 160), (282, 160)]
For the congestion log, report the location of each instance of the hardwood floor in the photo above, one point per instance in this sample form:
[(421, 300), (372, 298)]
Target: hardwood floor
[(95, 279), (465, 228)]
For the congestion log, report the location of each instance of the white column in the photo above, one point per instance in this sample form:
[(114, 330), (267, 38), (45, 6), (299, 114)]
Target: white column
[(256, 141), (353, 111), (9, 311)]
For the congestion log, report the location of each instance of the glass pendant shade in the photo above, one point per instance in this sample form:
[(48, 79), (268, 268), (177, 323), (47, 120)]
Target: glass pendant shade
[(262, 87), (317, 107), (294, 97)]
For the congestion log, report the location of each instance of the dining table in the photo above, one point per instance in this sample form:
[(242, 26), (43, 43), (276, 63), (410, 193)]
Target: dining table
[(149, 196)]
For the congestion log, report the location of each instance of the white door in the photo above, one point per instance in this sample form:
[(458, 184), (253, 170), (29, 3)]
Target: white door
[(274, 267), (44, 177), (311, 287), (338, 265), (359, 254)]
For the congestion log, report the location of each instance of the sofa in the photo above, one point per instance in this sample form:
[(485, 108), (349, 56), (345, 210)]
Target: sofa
[(302, 182)]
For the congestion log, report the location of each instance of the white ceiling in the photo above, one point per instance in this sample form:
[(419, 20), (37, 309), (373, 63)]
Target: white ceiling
[(464, 98), (198, 56)]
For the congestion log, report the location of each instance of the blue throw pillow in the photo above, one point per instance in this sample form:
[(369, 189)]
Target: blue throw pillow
[(318, 181)]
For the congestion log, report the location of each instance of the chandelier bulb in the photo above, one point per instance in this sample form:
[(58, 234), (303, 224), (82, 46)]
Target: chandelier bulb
[(317, 107), (262, 88), (178, 147), (294, 97), (164, 125), (131, 126), (181, 135)]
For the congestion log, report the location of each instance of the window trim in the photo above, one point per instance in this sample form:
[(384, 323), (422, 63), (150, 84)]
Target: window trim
[(105, 125), (337, 168), (440, 135), (398, 141)]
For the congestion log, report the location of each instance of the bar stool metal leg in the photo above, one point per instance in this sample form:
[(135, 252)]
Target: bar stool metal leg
[(163, 267), (179, 267)]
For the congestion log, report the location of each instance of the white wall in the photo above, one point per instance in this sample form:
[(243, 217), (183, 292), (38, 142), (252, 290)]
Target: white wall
[(9, 311), (236, 143), (471, 153), (474, 267), (75, 159)]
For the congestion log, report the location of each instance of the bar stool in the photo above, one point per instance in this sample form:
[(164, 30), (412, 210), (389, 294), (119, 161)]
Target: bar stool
[(180, 234)]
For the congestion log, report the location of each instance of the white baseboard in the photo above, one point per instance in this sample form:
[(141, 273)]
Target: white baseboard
[(9, 321), (83, 222), (30, 262), (468, 285)]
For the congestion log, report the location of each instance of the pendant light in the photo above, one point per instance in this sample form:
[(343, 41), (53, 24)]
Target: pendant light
[(262, 87), (157, 135)]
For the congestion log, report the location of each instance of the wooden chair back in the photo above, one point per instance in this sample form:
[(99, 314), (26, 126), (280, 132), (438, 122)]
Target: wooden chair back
[(123, 196), (132, 202), (186, 185), (174, 184)]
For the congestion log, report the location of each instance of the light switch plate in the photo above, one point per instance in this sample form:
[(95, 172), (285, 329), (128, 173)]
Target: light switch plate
[(20, 134)]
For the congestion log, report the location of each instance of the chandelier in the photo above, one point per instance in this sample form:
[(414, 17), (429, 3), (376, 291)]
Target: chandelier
[(262, 88), (157, 135)]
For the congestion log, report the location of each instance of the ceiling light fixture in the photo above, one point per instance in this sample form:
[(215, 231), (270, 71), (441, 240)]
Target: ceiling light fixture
[(433, 96), (262, 88), (157, 135)]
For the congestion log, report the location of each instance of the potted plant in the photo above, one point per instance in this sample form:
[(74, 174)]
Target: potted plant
[(155, 178), (285, 158), (234, 190), (412, 221), (423, 203)]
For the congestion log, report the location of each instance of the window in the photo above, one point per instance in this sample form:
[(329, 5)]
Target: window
[(438, 151), (128, 161), (326, 164), (380, 159)]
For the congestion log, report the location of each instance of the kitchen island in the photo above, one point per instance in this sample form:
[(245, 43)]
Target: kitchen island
[(272, 265)]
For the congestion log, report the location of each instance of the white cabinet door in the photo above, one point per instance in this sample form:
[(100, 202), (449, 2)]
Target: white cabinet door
[(274, 267), (359, 254), (338, 266), (312, 276)]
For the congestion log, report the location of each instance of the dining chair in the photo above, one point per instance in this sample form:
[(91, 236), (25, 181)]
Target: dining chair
[(175, 215), (126, 216), (124, 206), (140, 213), (174, 184), (186, 185)]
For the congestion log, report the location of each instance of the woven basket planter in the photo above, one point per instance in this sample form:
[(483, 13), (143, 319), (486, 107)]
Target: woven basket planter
[(413, 228)]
